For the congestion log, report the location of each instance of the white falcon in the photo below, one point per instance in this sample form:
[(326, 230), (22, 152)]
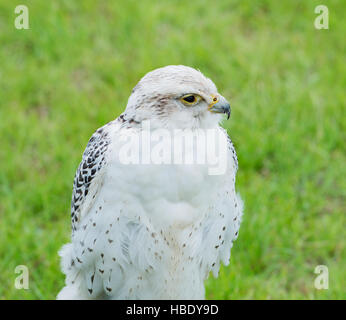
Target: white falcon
[(149, 230)]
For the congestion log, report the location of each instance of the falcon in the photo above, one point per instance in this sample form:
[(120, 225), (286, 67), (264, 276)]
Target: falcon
[(152, 230)]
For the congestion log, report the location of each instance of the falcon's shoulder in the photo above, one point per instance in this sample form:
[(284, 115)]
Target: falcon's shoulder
[(88, 177)]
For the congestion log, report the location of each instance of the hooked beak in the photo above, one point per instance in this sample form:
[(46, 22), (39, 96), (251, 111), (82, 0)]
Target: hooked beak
[(221, 106)]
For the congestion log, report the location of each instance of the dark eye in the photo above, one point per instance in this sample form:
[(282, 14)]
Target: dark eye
[(190, 99)]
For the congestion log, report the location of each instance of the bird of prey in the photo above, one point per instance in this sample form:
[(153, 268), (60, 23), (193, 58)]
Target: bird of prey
[(149, 230)]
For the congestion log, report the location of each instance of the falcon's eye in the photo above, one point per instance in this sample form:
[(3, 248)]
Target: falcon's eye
[(190, 99)]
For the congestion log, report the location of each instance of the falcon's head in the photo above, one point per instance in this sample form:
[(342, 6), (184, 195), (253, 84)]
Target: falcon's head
[(177, 97)]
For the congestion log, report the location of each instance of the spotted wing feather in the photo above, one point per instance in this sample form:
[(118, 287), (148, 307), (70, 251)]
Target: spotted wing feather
[(88, 179)]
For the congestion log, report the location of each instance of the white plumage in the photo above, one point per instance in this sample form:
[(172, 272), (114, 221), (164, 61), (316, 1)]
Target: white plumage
[(152, 231)]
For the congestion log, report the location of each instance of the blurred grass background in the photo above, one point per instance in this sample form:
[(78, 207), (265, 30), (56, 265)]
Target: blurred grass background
[(73, 71)]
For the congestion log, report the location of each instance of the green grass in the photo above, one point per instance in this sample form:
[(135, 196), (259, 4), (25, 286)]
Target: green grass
[(74, 70)]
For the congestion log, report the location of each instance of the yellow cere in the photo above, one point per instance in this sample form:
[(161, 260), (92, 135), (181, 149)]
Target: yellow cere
[(215, 100)]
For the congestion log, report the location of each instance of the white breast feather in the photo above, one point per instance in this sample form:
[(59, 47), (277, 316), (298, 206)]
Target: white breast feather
[(139, 237)]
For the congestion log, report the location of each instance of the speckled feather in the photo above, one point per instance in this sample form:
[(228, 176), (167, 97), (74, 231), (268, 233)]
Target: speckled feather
[(92, 162)]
